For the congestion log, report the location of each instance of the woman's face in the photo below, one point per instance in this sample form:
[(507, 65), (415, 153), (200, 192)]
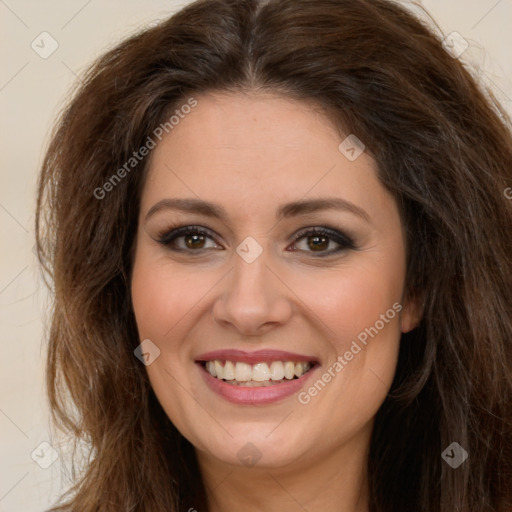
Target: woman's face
[(251, 172)]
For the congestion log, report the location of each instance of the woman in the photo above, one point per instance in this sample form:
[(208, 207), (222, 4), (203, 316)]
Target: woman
[(280, 249)]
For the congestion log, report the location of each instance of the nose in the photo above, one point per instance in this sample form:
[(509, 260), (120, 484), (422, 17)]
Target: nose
[(254, 299)]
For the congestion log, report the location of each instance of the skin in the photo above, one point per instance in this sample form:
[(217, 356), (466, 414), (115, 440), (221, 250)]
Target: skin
[(250, 153)]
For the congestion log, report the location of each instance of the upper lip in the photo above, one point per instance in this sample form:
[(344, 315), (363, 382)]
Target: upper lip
[(257, 356)]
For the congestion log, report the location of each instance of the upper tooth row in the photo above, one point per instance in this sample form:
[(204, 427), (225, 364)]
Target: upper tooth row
[(259, 372)]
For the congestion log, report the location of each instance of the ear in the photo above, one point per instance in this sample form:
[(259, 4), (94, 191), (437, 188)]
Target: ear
[(412, 312)]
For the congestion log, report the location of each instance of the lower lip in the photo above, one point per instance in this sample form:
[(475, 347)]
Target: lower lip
[(260, 395)]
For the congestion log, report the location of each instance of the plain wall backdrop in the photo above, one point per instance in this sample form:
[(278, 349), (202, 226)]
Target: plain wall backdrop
[(36, 77)]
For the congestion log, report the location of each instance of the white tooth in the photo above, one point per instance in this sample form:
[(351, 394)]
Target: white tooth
[(229, 370), (219, 371), (299, 369), (210, 368), (276, 370), (289, 369), (260, 372), (302, 368), (243, 372)]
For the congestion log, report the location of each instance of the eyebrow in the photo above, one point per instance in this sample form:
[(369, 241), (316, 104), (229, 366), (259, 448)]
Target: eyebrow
[(295, 208)]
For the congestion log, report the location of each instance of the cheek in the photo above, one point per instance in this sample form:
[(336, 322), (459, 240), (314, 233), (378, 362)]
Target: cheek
[(162, 295), (353, 298), (361, 311)]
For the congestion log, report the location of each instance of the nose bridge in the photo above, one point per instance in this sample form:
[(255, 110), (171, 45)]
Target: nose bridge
[(253, 296), (251, 267)]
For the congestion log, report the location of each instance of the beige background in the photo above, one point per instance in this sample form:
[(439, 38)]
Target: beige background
[(32, 91)]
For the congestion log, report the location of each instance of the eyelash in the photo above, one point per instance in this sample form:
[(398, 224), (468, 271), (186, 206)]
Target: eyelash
[(344, 241)]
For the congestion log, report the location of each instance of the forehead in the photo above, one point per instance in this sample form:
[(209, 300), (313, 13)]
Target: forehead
[(257, 151)]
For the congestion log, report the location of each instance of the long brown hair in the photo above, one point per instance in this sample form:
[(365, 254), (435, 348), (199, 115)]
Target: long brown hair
[(443, 148)]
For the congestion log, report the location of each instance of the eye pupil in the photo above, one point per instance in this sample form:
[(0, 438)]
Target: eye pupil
[(318, 242), (195, 238)]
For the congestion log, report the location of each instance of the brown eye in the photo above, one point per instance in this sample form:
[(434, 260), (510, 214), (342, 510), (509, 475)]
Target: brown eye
[(319, 239), (194, 241), (187, 238), (318, 242)]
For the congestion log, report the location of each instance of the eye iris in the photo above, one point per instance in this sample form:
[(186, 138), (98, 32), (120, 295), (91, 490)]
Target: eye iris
[(318, 242), (197, 240)]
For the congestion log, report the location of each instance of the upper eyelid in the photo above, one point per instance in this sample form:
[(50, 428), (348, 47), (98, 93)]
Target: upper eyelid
[(181, 231)]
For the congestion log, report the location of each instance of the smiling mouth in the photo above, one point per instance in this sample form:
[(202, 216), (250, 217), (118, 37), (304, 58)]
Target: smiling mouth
[(256, 375)]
